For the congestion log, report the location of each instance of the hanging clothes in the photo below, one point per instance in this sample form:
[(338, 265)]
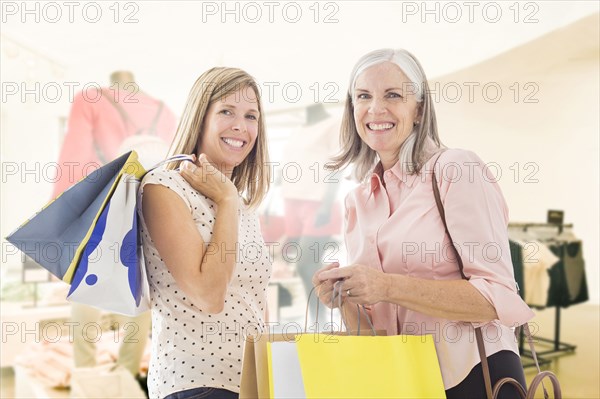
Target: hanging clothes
[(532, 261), (568, 285), (538, 260), (552, 265), (516, 256), (575, 271)]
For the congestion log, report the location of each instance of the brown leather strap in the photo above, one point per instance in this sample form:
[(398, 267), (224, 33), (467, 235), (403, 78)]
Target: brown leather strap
[(478, 335), (440, 206), (534, 355), (537, 380), (510, 381), (492, 394), (487, 379)]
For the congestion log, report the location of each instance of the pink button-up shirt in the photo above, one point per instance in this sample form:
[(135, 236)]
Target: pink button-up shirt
[(396, 228)]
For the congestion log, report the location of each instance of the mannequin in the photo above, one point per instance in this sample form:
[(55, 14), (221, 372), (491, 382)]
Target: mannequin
[(123, 78), (97, 132)]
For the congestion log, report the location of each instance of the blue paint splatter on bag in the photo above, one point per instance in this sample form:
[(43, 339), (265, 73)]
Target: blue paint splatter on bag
[(129, 257), (92, 244)]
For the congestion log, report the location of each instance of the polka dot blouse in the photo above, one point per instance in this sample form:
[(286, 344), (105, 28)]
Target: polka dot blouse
[(191, 348)]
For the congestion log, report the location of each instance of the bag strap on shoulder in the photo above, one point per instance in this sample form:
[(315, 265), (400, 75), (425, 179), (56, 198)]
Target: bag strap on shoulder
[(478, 335)]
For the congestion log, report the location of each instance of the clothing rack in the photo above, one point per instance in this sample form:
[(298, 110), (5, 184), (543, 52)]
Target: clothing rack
[(556, 346), (525, 226)]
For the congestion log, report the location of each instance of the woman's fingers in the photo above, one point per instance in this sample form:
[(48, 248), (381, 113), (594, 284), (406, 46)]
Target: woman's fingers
[(189, 167), (316, 280), (205, 163), (203, 159), (325, 291), (208, 180), (337, 273), (187, 171)]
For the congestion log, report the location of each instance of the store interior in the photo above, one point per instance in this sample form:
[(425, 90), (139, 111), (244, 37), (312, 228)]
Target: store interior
[(526, 101)]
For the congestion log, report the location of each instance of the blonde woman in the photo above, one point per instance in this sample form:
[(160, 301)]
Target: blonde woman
[(401, 263), (207, 264)]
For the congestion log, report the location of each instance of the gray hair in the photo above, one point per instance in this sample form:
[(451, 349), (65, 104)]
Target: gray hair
[(418, 146)]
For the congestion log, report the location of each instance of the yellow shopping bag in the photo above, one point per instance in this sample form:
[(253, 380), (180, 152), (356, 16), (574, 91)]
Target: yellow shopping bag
[(344, 366), (341, 365), (271, 367)]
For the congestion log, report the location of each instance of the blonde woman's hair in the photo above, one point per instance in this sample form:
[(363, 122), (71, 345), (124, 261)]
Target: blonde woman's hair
[(252, 176), (416, 149)]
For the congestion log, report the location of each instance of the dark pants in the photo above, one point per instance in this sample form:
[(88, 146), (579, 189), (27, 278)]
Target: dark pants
[(502, 364), (203, 393)]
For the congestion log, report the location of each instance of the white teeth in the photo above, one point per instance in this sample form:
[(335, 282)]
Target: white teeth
[(380, 126), (234, 143)]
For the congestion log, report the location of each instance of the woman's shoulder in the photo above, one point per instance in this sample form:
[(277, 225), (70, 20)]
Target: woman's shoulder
[(456, 155), (166, 177), (170, 179), (160, 173), (458, 165), (453, 162)]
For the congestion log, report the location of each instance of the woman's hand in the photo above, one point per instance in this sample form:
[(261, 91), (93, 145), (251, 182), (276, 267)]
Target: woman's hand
[(324, 288), (208, 180), (361, 284)]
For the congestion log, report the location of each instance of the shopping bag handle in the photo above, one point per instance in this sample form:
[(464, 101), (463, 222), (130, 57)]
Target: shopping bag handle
[(317, 313), (338, 286), (308, 305), (174, 158), (337, 292)]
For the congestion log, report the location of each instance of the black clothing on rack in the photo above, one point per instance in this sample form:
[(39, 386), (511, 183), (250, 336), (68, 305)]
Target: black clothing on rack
[(568, 284), (516, 256)]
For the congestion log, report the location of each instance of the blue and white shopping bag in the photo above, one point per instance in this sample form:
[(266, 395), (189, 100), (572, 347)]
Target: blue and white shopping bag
[(111, 274), (94, 227)]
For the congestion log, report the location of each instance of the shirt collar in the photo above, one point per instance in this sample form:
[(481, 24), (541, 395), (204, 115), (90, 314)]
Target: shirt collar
[(400, 172)]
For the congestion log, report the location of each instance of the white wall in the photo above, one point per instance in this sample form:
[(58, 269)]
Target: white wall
[(554, 143), (30, 138), (559, 133)]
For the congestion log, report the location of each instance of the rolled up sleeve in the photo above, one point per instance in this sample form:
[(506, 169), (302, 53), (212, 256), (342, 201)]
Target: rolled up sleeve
[(477, 218)]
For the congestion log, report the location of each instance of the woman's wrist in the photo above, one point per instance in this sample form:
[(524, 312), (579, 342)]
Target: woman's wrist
[(386, 289), (228, 201), (394, 286)]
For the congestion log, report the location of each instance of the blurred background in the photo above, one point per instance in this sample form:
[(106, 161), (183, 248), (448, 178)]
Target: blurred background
[(515, 82)]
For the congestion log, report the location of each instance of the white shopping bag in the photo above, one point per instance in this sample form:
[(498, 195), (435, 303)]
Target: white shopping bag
[(111, 274), (285, 367)]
